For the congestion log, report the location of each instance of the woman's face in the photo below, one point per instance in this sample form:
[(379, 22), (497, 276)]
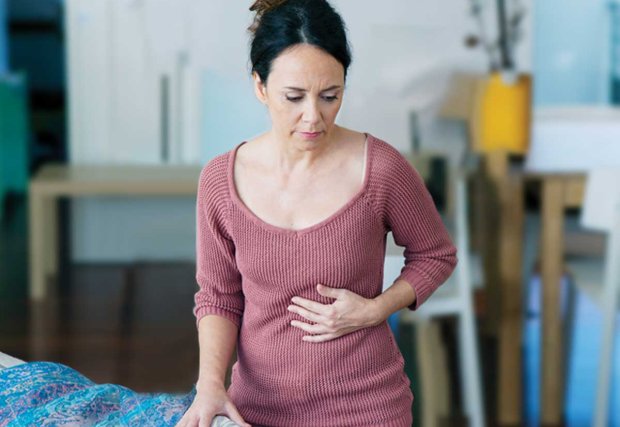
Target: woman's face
[(303, 94)]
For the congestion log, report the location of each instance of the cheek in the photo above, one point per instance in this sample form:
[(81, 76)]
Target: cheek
[(283, 113), (331, 112)]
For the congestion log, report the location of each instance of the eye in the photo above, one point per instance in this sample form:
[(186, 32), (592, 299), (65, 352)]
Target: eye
[(294, 98), (330, 98)]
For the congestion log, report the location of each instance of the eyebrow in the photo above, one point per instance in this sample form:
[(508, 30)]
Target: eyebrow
[(304, 90)]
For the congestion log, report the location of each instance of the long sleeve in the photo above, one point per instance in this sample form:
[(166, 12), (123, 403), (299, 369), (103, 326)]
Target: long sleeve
[(218, 278), (407, 209)]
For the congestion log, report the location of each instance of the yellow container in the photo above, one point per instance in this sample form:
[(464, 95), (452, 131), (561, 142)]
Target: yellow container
[(505, 114)]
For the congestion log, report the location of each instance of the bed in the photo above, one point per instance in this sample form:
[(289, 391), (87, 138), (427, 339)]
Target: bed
[(44, 393)]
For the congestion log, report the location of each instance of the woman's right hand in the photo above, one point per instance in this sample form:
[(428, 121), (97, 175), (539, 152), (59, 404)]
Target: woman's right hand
[(210, 400)]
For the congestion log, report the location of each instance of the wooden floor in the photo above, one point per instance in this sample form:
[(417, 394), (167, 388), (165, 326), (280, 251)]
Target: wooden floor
[(130, 324), (126, 324)]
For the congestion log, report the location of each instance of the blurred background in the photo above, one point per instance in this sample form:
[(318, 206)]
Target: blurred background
[(108, 110)]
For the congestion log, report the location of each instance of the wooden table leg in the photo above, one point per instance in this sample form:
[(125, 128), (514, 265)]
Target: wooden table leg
[(43, 259), (503, 280), (43, 242), (51, 237), (496, 169), (551, 272), (37, 245), (511, 324)]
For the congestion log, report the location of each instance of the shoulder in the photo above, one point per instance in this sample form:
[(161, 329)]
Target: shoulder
[(216, 167), (388, 165), (213, 187)]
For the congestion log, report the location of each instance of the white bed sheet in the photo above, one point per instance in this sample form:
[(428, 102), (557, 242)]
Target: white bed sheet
[(7, 361)]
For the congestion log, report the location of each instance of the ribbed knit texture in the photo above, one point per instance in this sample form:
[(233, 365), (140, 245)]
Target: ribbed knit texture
[(248, 271)]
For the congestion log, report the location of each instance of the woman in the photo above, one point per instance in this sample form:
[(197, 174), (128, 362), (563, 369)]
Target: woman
[(291, 235)]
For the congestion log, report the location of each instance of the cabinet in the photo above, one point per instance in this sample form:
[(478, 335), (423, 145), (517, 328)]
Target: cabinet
[(133, 84), (134, 98)]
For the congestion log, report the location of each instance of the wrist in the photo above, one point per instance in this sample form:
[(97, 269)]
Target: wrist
[(209, 383), (378, 312)]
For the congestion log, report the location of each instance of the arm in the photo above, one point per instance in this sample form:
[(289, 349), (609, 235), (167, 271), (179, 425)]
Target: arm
[(410, 213), (398, 296), (216, 338), (219, 302)]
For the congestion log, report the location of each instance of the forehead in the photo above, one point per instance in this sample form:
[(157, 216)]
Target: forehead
[(306, 66)]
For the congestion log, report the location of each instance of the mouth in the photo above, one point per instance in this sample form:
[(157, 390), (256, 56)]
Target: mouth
[(310, 135)]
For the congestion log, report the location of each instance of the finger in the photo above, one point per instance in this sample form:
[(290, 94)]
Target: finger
[(319, 338), (316, 328), (313, 317), (317, 307), (326, 291), (189, 421), (235, 415), (183, 421)]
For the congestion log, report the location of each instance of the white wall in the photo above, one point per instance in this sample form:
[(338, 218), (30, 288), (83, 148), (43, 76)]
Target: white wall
[(403, 54)]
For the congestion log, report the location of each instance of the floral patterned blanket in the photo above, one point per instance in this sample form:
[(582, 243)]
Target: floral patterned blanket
[(52, 394)]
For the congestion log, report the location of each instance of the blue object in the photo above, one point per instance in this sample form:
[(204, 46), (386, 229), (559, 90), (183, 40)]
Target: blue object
[(582, 369), (44, 393), (393, 321)]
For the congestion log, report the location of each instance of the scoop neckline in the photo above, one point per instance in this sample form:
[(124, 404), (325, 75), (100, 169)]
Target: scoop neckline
[(281, 230)]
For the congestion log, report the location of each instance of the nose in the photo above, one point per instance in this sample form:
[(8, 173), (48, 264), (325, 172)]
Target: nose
[(311, 112)]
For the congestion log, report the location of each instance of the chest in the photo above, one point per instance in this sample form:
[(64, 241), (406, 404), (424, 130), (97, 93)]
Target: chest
[(300, 202)]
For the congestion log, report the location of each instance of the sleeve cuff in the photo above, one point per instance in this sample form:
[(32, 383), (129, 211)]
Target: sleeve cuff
[(217, 311), (420, 284)]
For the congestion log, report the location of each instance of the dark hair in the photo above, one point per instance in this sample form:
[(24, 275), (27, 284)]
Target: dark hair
[(279, 25)]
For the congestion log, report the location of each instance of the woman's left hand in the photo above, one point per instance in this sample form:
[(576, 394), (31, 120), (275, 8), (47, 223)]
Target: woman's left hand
[(349, 313)]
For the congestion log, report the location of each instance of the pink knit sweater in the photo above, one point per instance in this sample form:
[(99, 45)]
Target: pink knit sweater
[(248, 271)]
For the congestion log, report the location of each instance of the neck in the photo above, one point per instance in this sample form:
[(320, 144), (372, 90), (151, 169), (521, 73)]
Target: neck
[(294, 156)]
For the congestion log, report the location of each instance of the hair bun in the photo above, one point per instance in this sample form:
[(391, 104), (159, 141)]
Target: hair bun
[(260, 7)]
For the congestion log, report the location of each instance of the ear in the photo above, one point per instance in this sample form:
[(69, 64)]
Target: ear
[(259, 88)]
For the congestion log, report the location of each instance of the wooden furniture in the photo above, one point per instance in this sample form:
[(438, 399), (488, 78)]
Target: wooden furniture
[(559, 192), (136, 95), (55, 180), (503, 260), (566, 143)]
